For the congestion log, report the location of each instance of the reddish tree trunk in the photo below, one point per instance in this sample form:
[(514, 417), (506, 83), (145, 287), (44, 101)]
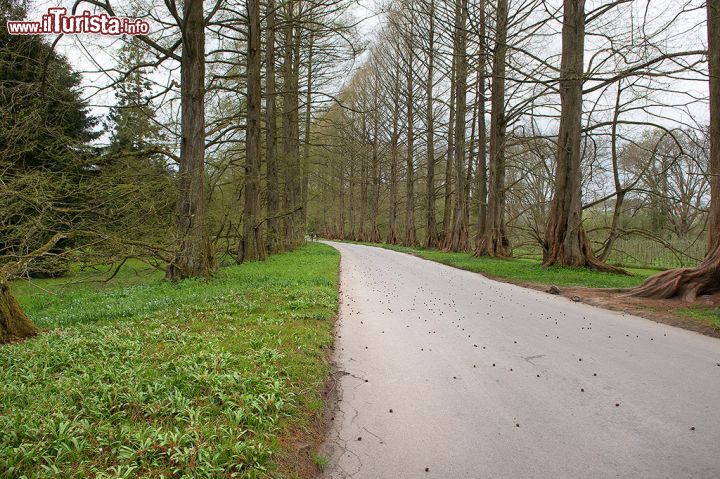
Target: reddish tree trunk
[(566, 243), (494, 240), (713, 13)]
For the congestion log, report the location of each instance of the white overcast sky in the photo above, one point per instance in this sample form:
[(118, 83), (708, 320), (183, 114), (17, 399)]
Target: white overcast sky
[(91, 54)]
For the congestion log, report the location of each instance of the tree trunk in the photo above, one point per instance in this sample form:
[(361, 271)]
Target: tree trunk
[(619, 191), (447, 208), (713, 13), (482, 131), (459, 227), (194, 255), (494, 241), (363, 189), (392, 237), (430, 221), (409, 159), (341, 195), (291, 132), (565, 242), (375, 176), (351, 199), (14, 323), (308, 119), (274, 238), (252, 246), (688, 283), (465, 236)]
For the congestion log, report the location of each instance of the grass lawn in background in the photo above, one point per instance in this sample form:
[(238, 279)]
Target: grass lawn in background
[(523, 270), (144, 378)]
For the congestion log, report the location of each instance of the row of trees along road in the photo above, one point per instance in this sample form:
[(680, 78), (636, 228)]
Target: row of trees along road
[(482, 125), (529, 117), (203, 159)]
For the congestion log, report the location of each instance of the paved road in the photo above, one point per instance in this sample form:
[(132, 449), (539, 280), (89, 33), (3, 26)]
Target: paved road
[(447, 370)]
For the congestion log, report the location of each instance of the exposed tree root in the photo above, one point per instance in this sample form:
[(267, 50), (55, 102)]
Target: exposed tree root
[(685, 283), (14, 323)]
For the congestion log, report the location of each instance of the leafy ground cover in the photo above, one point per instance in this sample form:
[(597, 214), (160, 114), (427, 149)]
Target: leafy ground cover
[(146, 378)]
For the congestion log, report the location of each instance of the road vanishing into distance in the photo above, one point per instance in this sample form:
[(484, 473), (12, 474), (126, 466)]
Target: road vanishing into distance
[(446, 374)]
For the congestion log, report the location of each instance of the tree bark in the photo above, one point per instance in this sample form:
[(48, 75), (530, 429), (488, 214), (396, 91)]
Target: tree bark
[(482, 131), (14, 323), (494, 240), (392, 236), (308, 119), (713, 14), (194, 255), (447, 208), (459, 227), (362, 236), (409, 238), (351, 199), (252, 246), (430, 221), (340, 232), (274, 237), (688, 283), (375, 175), (565, 242), (291, 131)]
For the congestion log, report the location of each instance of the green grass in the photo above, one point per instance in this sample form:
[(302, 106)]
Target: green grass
[(320, 461), (703, 314), (525, 270), (199, 379)]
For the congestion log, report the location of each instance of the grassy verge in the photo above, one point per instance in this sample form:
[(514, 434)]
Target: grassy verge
[(703, 314), (201, 379), (527, 271), (530, 272)]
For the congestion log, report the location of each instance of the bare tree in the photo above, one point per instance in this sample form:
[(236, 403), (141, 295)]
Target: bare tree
[(252, 246), (493, 241), (409, 239), (430, 220), (566, 242), (194, 256), (274, 238), (688, 283), (459, 231)]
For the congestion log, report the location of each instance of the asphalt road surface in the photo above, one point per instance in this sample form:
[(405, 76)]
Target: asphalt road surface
[(447, 374)]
